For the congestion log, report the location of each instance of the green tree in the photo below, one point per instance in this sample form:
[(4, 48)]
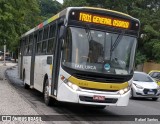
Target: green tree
[(71, 3), (140, 58), (16, 17), (49, 8)]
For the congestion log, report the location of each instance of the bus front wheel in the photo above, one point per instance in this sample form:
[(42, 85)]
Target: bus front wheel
[(47, 98)]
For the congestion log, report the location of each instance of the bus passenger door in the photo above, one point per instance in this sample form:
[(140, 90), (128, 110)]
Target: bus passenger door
[(56, 62)]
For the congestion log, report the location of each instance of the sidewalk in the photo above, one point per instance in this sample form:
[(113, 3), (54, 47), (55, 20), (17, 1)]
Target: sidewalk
[(3, 68), (12, 103)]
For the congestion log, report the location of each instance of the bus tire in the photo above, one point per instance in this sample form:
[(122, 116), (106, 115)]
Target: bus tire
[(26, 86), (131, 94), (47, 98)]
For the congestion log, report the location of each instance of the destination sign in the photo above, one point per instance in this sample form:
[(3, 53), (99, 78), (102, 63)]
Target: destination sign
[(104, 20)]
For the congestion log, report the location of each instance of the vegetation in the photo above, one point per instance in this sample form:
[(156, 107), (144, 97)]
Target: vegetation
[(49, 8), (17, 16)]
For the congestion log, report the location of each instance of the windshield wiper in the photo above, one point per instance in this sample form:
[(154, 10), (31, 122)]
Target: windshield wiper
[(113, 46), (117, 41), (89, 36)]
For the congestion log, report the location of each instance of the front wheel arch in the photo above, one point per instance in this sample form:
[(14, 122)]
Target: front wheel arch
[(132, 94), (47, 98), (49, 101), (44, 81)]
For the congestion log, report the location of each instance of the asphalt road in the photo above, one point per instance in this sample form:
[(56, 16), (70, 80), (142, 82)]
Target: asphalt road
[(76, 114)]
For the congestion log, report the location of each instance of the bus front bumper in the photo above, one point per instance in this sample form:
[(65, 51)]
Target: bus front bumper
[(66, 94)]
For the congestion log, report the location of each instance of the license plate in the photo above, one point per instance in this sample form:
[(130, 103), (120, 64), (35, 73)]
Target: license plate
[(150, 93), (99, 98)]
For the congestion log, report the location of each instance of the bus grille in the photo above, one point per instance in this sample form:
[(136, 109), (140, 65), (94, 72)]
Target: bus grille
[(99, 89), (101, 79), (90, 99)]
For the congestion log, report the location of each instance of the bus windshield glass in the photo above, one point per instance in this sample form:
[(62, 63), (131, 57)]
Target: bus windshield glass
[(98, 51)]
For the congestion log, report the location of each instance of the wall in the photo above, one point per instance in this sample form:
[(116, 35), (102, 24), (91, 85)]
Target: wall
[(148, 66)]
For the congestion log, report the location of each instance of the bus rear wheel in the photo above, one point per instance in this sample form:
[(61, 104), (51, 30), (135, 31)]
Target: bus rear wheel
[(26, 86), (47, 98)]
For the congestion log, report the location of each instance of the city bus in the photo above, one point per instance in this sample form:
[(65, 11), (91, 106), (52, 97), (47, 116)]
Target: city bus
[(81, 55)]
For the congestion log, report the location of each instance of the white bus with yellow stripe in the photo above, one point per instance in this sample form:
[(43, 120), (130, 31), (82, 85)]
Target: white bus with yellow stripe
[(81, 55)]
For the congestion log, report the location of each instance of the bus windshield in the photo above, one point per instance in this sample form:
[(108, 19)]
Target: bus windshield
[(98, 51)]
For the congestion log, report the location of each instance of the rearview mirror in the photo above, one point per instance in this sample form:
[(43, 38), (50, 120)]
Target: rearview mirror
[(62, 44), (62, 32)]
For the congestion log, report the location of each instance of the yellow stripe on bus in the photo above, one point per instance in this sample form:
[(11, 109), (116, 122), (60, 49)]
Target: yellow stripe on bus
[(53, 18), (51, 66), (98, 85)]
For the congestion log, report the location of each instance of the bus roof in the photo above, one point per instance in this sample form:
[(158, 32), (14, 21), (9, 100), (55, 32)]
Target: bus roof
[(65, 12)]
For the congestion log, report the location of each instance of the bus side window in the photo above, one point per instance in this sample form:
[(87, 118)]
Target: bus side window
[(44, 44), (45, 33), (51, 41), (23, 47), (50, 46), (30, 44), (45, 39), (52, 31), (26, 46), (40, 36), (38, 47), (39, 42)]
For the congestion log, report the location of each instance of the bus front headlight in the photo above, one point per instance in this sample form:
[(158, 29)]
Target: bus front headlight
[(75, 87), (123, 91), (71, 85)]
